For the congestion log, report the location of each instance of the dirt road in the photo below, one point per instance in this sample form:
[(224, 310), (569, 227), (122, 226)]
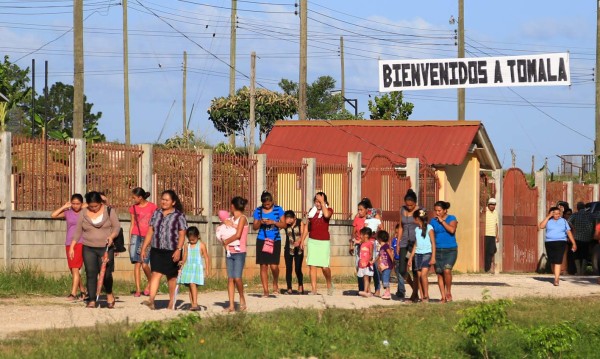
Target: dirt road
[(17, 315)]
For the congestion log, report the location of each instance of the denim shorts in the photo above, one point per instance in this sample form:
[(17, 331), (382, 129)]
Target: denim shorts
[(445, 258), (135, 247), (235, 265), (422, 260), (385, 277)]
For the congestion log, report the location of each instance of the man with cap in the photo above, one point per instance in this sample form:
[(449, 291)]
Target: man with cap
[(491, 233)]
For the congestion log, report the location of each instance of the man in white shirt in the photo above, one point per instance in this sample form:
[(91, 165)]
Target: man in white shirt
[(491, 233)]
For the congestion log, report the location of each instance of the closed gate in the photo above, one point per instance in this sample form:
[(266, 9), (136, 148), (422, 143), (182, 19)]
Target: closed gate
[(519, 216), (385, 187)]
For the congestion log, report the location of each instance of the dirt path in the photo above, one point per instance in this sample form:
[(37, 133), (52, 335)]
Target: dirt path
[(17, 315)]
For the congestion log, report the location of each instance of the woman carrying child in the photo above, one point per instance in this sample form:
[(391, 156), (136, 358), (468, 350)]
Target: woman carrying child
[(194, 265), (237, 258), (423, 252), (293, 253)]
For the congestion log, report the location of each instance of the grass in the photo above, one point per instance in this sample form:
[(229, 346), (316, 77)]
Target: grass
[(411, 331), (25, 280)]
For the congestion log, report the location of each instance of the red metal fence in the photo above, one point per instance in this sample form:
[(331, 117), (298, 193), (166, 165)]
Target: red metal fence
[(383, 184), (335, 180), (286, 180), (555, 191), (429, 187), (582, 193), (114, 169), (181, 171), (233, 176), (43, 173), (519, 216)]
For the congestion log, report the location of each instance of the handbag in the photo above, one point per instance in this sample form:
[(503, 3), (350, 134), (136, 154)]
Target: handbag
[(268, 246), (119, 241)]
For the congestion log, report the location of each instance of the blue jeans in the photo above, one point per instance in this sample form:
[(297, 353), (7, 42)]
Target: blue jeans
[(385, 277), (235, 265), (401, 292)]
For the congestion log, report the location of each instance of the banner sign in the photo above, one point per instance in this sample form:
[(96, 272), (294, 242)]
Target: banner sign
[(504, 71)]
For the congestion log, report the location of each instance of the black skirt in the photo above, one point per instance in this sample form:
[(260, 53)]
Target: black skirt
[(161, 261), (555, 250), (268, 258)]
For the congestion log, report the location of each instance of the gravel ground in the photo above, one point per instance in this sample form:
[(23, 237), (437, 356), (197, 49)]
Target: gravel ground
[(35, 313)]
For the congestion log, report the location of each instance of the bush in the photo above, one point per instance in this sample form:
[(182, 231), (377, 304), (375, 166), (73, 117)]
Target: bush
[(163, 339), (551, 341)]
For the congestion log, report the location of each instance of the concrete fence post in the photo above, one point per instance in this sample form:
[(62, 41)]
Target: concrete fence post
[(540, 184), (311, 181), (596, 192), (146, 181), (355, 160), (5, 194), (261, 176), (412, 171), (499, 181), (80, 184), (207, 195), (570, 195)]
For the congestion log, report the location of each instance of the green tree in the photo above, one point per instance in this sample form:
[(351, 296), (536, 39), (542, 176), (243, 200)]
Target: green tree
[(231, 114), (321, 104), (60, 114), (14, 84), (390, 106)]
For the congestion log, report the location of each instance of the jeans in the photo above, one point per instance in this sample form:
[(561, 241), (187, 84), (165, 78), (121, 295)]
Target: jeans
[(401, 292), (289, 259), (92, 259), (235, 265), (385, 278), (490, 251)]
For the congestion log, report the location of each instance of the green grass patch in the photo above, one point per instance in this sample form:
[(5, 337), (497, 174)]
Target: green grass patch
[(402, 331), (26, 280)]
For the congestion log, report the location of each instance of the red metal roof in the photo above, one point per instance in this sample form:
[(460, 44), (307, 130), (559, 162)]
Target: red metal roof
[(435, 142)]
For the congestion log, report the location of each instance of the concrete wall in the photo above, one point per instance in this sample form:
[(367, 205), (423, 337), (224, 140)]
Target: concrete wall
[(39, 240), (460, 187)]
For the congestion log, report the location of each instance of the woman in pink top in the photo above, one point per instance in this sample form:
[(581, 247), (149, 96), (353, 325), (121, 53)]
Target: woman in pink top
[(70, 212), (141, 213)]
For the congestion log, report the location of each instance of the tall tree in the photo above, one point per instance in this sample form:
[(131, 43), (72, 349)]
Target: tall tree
[(14, 84), (231, 114), (321, 104), (390, 106), (60, 113)]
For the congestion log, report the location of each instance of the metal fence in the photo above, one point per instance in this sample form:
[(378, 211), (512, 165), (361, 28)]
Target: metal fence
[(336, 181), (582, 193), (429, 187), (286, 180), (114, 169), (181, 171), (43, 173), (555, 191), (233, 176)]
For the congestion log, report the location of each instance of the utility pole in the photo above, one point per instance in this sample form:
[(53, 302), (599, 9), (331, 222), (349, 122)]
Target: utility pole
[(252, 100), (303, 59), (342, 65), (184, 95), (32, 97), (461, 54), (126, 75), (78, 71), (597, 78), (232, 54)]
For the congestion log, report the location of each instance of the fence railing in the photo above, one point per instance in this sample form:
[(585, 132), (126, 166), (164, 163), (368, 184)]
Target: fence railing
[(582, 193), (43, 173), (555, 191), (233, 176), (181, 171), (429, 187), (286, 180), (335, 180), (114, 169)]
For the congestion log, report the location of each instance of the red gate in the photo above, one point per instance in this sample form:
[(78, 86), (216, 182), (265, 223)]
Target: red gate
[(519, 216), (385, 187), (556, 191), (582, 193), (429, 187)]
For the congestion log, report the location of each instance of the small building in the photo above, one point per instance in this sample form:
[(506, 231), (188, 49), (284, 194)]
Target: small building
[(457, 150)]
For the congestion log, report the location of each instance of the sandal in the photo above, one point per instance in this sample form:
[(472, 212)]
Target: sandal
[(149, 304), (229, 310), (110, 305), (91, 305), (288, 292), (137, 294), (243, 308), (84, 296), (195, 309), (448, 298), (71, 297), (146, 292)]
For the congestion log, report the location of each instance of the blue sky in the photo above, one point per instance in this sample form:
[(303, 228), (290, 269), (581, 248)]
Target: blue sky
[(562, 123)]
